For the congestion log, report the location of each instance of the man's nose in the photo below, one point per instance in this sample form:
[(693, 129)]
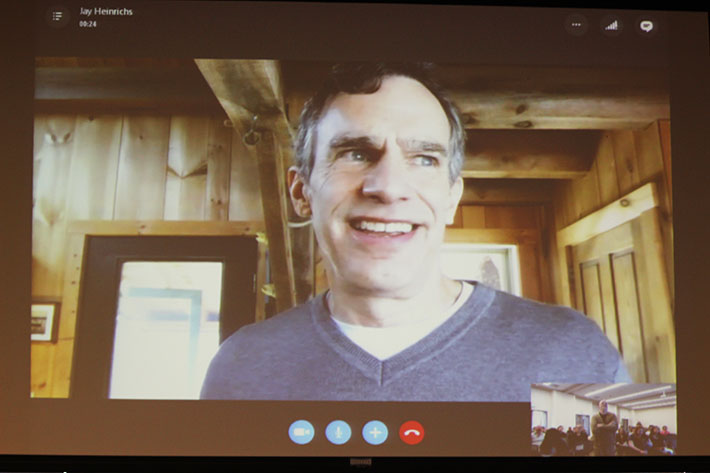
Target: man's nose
[(386, 180)]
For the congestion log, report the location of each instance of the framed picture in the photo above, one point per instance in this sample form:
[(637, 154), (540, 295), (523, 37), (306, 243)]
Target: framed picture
[(44, 321)]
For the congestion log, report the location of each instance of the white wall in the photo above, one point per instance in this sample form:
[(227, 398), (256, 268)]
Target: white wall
[(659, 416)]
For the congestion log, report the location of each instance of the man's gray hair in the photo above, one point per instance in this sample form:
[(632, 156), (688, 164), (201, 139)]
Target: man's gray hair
[(366, 78)]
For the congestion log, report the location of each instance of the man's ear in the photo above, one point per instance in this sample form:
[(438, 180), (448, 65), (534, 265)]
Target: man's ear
[(455, 194), (298, 189)]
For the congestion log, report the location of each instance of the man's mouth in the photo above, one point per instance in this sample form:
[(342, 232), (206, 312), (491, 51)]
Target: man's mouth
[(383, 228)]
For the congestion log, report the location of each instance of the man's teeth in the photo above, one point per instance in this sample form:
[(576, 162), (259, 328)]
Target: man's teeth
[(382, 227)]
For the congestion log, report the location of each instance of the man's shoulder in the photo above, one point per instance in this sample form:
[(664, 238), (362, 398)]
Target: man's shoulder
[(542, 316), (573, 345), (257, 355), (285, 324)]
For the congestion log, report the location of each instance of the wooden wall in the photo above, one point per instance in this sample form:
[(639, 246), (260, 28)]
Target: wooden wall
[(624, 161), (510, 218), (127, 167)]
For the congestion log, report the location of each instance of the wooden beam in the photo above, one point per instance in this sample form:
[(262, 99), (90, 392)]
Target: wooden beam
[(617, 213), (155, 88), (548, 154), (503, 236), (250, 91), (522, 97), (276, 220), (525, 97), (507, 191), (164, 227)]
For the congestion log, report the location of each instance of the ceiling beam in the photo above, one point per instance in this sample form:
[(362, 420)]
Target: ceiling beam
[(137, 88), (562, 98), (250, 93), (529, 154), (527, 97), (507, 191)]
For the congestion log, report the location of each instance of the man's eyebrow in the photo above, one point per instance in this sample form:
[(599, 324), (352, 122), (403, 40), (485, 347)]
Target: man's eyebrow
[(422, 145), (349, 141)]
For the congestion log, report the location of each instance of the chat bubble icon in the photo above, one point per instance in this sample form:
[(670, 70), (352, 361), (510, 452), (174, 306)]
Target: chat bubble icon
[(646, 26)]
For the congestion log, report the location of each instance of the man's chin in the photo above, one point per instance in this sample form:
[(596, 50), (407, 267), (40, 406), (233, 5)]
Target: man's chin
[(383, 285)]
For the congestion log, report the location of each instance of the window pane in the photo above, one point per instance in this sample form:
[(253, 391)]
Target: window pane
[(167, 329)]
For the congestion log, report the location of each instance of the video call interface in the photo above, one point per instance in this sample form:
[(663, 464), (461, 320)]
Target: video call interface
[(348, 230)]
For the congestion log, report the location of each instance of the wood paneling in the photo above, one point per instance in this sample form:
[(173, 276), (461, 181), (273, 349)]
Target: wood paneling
[(605, 161), (589, 291), (649, 152), (627, 308), (185, 189), (458, 218), (94, 167), (244, 191), (54, 146), (625, 158), (473, 216), (140, 190), (41, 359), (665, 132), (655, 298), (511, 216), (530, 275)]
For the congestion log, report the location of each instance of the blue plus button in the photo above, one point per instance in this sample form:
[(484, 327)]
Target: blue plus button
[(338, 432), (301, 432), (374, 432)]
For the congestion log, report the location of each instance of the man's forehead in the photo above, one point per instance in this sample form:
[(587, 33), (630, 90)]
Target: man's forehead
[(401, 105)]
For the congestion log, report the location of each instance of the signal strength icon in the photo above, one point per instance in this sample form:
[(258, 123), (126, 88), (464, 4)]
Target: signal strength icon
[(611, 25)]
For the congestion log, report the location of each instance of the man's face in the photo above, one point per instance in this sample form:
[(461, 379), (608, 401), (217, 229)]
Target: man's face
[(380, 194), (603, 407)]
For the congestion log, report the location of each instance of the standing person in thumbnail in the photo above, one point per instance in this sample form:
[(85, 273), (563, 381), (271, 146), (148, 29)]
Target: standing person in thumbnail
[(378, 160), (604, 425)]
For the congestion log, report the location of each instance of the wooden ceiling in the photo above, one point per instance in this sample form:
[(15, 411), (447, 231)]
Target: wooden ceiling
[(522, 122)]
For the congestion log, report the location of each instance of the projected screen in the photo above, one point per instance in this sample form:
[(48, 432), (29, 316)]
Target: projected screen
[(313, 230)]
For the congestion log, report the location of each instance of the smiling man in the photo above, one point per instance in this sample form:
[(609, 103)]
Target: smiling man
[(379, 155)]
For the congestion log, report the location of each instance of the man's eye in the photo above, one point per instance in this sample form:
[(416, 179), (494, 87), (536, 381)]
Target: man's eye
[(426, 161), (357, 155)]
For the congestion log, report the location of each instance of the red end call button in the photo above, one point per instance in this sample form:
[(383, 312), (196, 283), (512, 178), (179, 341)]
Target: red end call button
[(411, 432)]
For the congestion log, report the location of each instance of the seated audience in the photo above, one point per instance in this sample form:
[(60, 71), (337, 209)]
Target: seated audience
[(554, 444), (638, 442), (537, 436)]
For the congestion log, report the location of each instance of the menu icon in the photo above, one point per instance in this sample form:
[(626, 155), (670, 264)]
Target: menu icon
[(57, 16)]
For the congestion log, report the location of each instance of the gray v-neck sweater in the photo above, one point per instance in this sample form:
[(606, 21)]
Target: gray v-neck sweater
[(492, 349)]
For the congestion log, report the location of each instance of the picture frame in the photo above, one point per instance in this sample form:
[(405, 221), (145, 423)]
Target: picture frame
[(44, 321)]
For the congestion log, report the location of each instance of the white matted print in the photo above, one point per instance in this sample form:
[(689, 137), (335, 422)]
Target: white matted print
[(44, 316), (497, 266)]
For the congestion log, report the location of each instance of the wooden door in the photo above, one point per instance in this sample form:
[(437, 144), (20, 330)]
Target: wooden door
[(618, 278), (607, 291)]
